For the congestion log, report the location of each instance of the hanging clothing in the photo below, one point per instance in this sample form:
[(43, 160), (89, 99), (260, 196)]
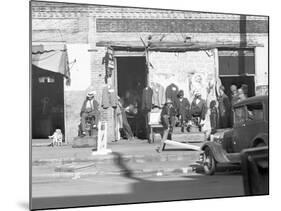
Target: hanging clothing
[(147, 99), (213, 119), (224, 111), (109, 97), (172, 93), (158, 96)]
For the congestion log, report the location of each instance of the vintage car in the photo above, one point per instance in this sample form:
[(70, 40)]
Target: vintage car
[(250, 129)]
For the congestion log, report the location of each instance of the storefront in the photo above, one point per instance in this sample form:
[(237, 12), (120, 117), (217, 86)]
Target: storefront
[(49, 70)]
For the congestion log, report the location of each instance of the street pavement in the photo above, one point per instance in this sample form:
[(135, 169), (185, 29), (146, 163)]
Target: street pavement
[(134, 172), (101, 190)]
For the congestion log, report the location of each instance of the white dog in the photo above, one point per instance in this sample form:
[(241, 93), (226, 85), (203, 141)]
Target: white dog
[(57, 138)]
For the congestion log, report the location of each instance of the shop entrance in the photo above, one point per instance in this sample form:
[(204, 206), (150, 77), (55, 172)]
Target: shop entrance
[(131, 80), (47, 102)]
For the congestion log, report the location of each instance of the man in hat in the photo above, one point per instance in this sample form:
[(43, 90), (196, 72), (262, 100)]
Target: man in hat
[(168, 115), (182, 109), (89, 109), (198, 110)]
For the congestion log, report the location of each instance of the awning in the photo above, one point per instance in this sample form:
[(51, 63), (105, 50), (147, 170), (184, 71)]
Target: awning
[(175, 46), (52, 58)]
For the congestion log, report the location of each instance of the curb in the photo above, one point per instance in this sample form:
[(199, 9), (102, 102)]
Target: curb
[(113, 158), (136, 172)]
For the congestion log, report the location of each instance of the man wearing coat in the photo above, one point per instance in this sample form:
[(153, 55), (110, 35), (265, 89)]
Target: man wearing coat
[(168, 115), (182, 105), (89, 109)]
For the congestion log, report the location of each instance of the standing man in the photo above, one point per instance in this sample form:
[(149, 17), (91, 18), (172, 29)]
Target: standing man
[(182, 106), (168, 115), (224, 108)]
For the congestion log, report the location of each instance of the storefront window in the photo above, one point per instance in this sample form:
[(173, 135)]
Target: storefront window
[(46, 79)]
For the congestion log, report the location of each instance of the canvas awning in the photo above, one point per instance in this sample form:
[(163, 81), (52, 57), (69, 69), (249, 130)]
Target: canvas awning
[(52, 58)]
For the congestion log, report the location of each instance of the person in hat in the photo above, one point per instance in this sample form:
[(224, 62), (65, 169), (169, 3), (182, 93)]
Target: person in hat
[(198, 110), (90, 108), (168, 115), (182, 109)]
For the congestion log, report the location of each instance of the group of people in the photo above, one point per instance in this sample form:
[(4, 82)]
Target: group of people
[(219, 116), (176, 108)]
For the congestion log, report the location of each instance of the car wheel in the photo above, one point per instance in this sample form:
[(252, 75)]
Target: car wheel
[(209, 162)]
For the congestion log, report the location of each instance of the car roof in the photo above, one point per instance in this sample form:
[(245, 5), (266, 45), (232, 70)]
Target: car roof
[(255, 99)]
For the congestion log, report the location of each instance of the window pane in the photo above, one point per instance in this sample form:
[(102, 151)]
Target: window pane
[(255, 112)]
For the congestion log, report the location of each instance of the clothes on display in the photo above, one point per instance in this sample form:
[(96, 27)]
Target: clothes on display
[(172, 92), (158, 96), (224, 111), (147, 94), (213, 117), (109, 97)]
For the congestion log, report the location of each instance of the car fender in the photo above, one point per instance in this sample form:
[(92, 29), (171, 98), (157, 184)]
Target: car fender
[(261, 136), (219, 153)]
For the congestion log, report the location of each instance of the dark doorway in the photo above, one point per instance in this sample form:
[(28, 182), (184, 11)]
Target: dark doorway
[(47, 102), (238, 81), (131, 74), (132, 78)]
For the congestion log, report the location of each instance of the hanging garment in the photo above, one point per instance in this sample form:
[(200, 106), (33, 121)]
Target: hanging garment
[(172, 93), (158, 96), (109, 97), (224, 111), (146, 99)]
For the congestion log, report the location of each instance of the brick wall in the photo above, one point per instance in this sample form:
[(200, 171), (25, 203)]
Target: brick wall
[(182, 26)]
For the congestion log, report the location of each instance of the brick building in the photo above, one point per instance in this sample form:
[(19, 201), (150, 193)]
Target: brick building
[(177, 44)]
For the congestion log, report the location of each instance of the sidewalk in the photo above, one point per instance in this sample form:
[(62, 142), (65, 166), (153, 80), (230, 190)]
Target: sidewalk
[(136, 157)]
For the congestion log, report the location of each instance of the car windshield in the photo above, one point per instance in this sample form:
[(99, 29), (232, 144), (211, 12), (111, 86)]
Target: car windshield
[(239, 115)]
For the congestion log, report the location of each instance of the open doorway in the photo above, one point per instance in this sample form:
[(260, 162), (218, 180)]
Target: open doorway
[(131, 80), (47, 102), (238, 81)]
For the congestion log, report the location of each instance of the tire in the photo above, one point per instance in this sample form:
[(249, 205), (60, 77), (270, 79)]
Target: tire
[(209, 162)]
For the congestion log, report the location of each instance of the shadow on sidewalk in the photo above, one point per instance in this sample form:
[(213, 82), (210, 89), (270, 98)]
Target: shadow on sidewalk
[(143, 191)]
